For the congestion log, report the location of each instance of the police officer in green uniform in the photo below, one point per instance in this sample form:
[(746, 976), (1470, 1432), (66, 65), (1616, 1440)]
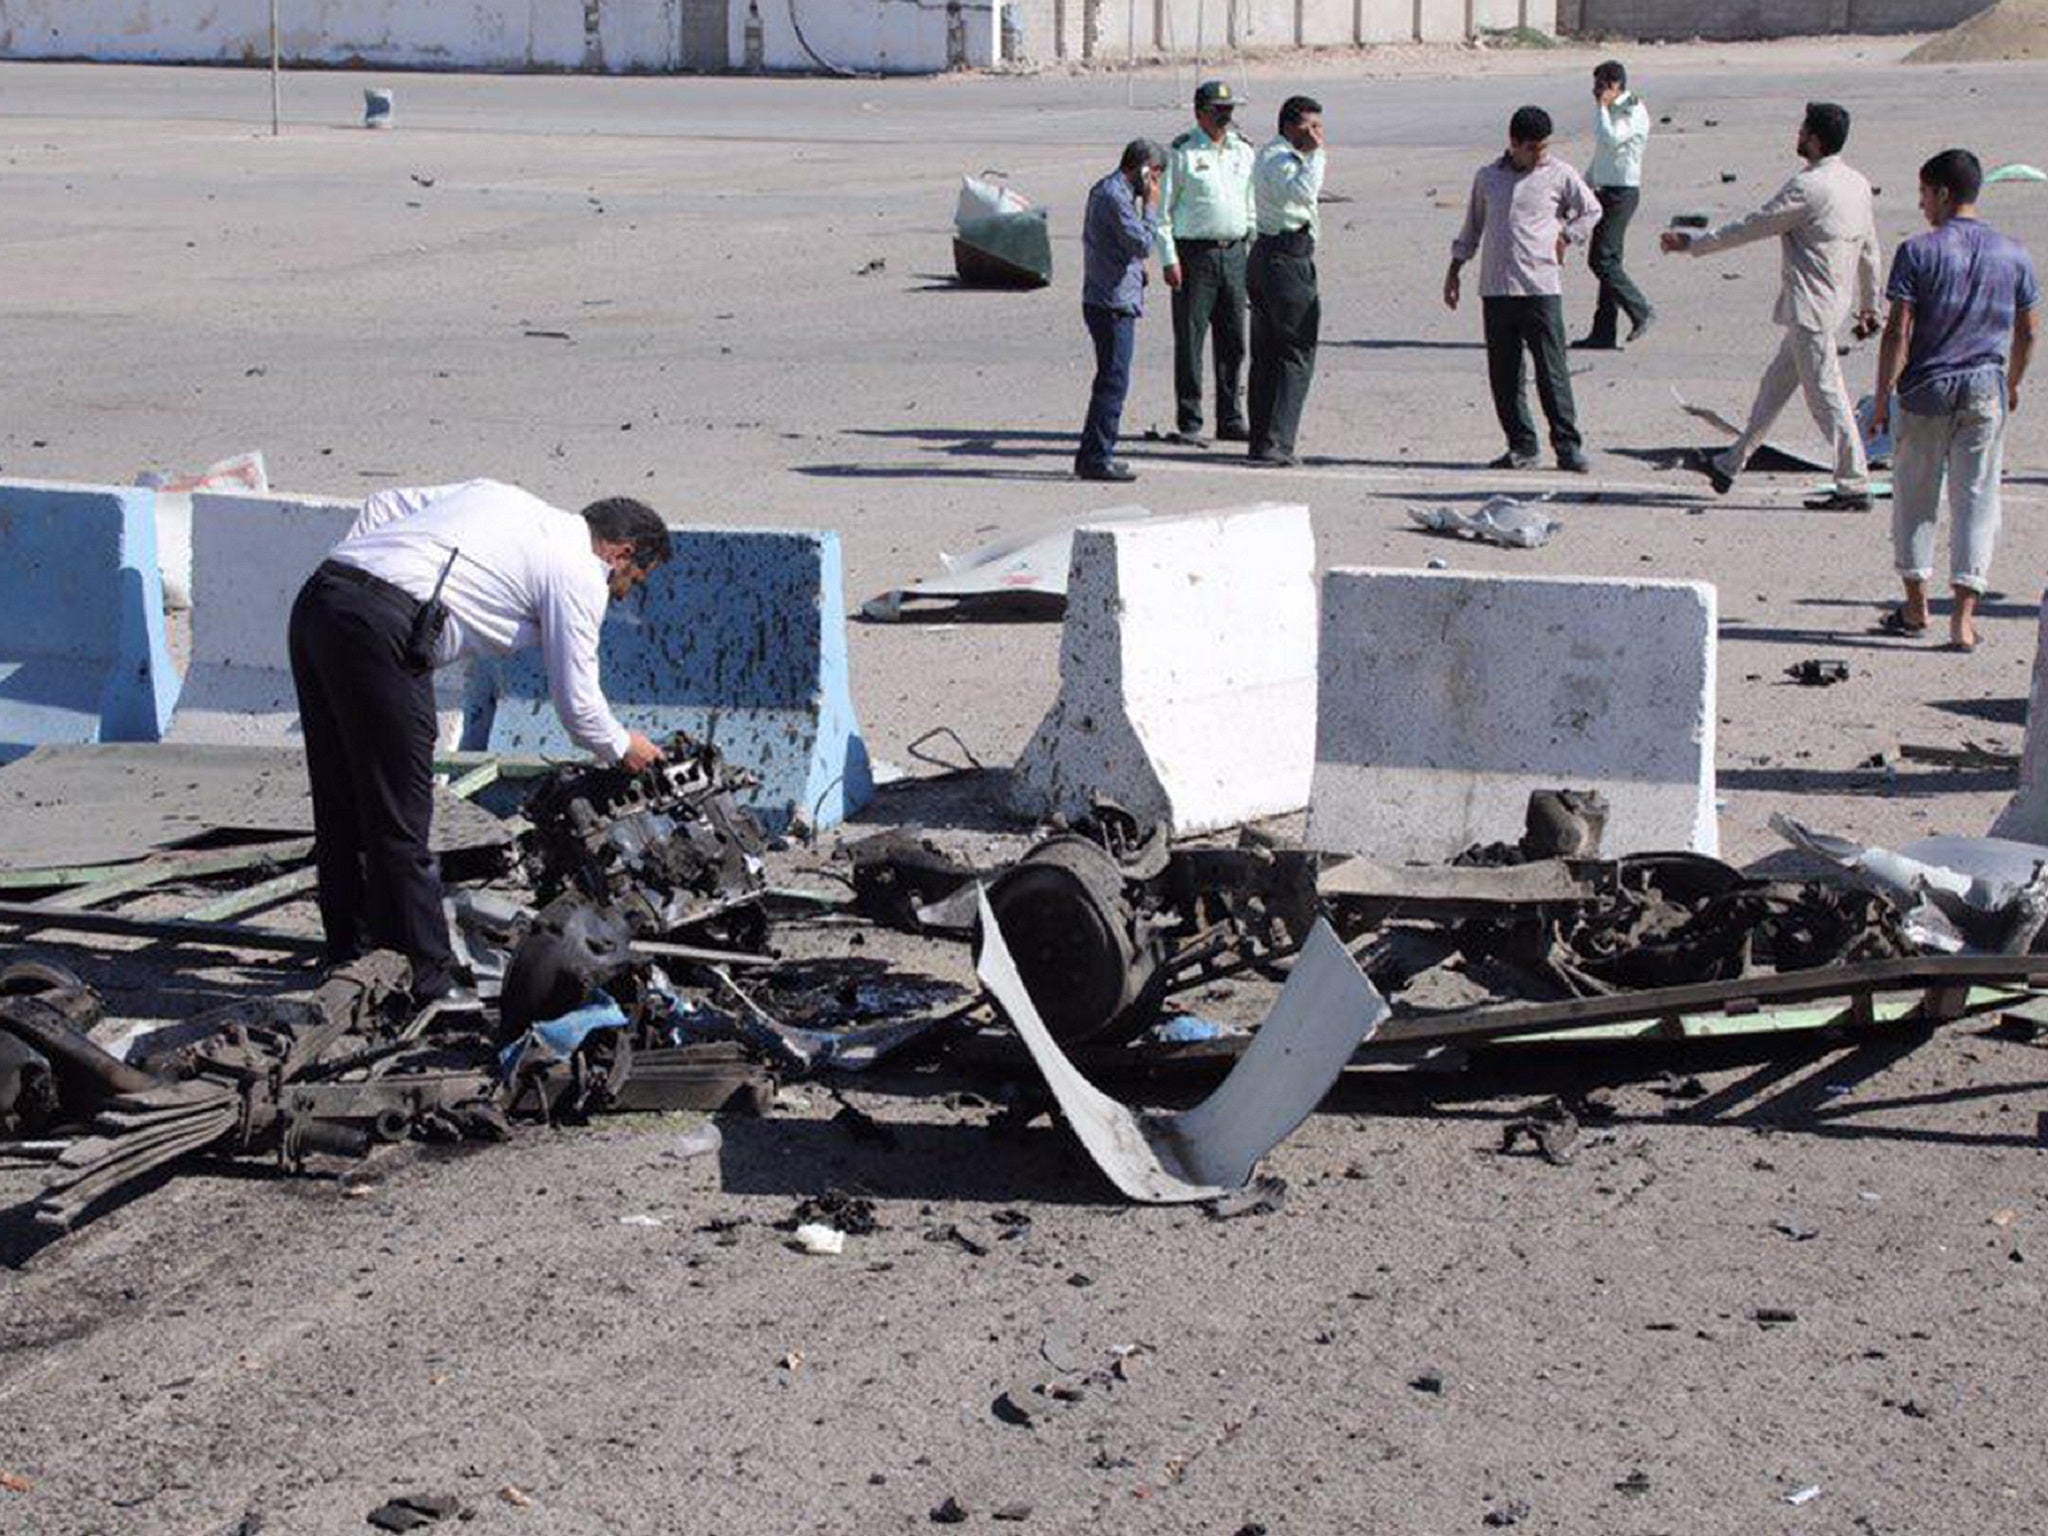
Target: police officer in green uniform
[(1205, 228)]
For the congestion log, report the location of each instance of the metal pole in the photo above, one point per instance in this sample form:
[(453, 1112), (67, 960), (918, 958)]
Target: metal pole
[(276, 91), (1130, 53)]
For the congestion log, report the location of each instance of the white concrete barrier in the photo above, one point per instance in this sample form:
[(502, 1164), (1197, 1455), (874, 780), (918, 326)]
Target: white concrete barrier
[(2025, 817), (1446, 698), (1187, 672), (250, 556)]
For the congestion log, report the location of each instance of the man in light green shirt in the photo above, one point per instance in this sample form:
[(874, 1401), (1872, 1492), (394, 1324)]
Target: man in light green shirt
[(1205, 226), (1287, 311)]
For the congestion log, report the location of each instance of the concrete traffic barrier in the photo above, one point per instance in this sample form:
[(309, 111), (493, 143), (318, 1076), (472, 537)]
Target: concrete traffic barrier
[(1187, 672), (2025, 817), (82, 652), (250, 556), (1446, 698), (741, 640)]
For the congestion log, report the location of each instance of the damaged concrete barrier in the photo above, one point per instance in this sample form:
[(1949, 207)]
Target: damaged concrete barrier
[(2025, 817), (1447, 698), (82, 651), (1187, 672), (740, 639), (250, 556)]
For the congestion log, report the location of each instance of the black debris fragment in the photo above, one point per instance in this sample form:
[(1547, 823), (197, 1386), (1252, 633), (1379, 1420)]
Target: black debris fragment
[(1262, 1197), (949, 1511), (414, 1510), (837, 1209), (1549, 1127)]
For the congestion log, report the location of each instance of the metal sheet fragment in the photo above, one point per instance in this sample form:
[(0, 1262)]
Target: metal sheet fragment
[(1327, 1010)]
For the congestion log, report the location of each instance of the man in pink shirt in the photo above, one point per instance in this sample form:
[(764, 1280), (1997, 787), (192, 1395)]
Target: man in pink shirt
[(1525, 209)]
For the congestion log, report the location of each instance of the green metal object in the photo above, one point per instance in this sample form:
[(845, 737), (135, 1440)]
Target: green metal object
[(146, 873), (270, 892)]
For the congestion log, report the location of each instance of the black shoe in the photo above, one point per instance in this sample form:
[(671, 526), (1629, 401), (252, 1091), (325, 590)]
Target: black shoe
[(1701, 462), (1642, 327), (1115, 469), (1575, 462), (1840, 501), (1234, 432), (1513, 460), (1596, 344), (1273, 458)]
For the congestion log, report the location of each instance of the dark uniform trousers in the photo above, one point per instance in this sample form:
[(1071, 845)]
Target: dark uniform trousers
[(1210, 302), (1618, 292), (369, 725), (1535, 324), (1287, 318)]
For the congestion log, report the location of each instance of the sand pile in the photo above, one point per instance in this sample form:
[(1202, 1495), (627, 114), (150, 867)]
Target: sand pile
[(2011, 29)]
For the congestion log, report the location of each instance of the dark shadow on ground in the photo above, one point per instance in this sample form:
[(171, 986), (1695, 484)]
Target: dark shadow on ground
[(1865, 781), (1990, 711), (935, 1159), (920, 472), (1819, 639), (1397, 344), (970, 800), (1995, 605)]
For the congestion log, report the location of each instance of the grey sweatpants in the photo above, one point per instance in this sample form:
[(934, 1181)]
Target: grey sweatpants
[(1966, 448), (1805, 364)]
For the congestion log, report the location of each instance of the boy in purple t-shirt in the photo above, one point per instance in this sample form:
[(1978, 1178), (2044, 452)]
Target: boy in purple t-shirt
[(1956, 345)]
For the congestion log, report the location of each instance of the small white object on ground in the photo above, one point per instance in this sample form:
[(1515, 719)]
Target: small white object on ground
[(699, 1141), (640, 1221), (1804, 1495), (816, 1237)]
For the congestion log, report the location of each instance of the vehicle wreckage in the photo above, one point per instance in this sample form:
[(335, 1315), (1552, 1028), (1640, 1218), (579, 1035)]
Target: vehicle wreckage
[(625, 965)]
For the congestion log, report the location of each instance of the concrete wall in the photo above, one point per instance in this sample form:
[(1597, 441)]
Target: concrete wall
[(1103, 29), (892, 36), (906, 37), (1652, 20), (475, 34)]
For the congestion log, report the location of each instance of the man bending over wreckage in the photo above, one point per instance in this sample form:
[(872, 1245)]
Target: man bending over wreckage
[(426, 577)]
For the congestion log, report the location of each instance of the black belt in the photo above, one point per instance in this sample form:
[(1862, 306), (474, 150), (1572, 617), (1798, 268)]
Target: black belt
[(1292, 242), (1209, 245), (391, 592)]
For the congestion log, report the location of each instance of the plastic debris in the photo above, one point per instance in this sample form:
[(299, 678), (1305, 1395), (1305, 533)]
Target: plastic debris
[(999, 239), (1020, 573), (1500, 520), (1982, 895)]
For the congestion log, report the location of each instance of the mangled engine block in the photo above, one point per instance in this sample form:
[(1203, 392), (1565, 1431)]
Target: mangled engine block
[(615, 857), (1104, 923)]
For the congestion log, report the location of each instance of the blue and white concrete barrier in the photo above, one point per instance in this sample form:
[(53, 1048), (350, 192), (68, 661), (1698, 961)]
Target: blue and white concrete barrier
[(82, 652), (1446, 698), (740, 640), (1187, 672), (250, 556)]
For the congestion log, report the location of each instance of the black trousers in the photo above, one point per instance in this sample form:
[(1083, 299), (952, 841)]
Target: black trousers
[(1209, 301), (369, 727), (1287, 317), (1618, 292), (1535, 325)]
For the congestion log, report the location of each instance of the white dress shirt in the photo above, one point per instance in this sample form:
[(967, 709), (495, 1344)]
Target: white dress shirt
[(1827, 230), (1621, 131), (524, 574)]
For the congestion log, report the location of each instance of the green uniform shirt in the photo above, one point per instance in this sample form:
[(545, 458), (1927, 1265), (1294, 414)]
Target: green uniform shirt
[(1287, 184), (1205, 193)]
